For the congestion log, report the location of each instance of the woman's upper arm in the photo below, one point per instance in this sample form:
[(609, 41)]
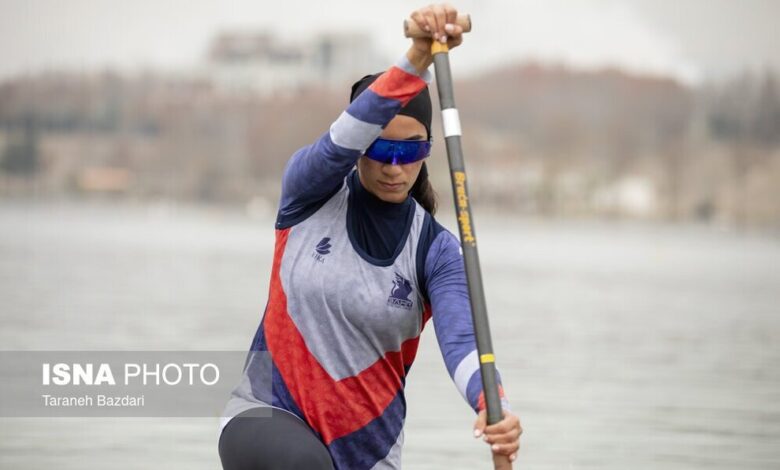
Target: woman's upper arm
[(315, 171), (447, 289), (312, 174), (448, 293)]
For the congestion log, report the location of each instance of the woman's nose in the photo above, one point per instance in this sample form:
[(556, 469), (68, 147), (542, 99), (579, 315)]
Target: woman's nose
[(389, 169)]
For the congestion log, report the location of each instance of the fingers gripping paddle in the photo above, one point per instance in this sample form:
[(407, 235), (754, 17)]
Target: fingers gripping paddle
[(468, 240)]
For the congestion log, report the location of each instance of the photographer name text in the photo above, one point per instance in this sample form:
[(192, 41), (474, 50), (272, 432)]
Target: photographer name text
[(98, 400)]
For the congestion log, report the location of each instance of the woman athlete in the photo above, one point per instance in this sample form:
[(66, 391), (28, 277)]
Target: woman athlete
[(359, 266)]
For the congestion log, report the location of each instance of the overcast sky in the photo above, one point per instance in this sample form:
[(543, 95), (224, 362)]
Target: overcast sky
[(690, 39)]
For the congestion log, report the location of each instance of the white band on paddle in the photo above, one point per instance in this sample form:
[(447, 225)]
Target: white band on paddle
[(451, 121)]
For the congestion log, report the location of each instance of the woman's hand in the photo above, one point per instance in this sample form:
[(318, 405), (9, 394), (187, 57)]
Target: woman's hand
[(440, 21), (503, 437)]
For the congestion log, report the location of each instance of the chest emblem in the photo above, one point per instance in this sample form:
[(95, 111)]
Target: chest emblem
[(399, 294), (322, 249)]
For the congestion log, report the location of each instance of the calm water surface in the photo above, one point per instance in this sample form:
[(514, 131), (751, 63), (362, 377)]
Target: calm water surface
[(621, 345)]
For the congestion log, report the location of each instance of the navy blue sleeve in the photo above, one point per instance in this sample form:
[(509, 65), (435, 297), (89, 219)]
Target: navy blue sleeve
[(446, 288), (312, 175)]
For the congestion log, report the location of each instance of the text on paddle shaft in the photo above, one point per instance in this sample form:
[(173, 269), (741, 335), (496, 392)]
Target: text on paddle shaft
[(462, 199)]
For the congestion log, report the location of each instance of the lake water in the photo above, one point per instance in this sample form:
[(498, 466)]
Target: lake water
[(621, 345)]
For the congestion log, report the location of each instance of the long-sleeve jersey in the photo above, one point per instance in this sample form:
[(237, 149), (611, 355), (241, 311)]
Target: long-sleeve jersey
[(354, 281)]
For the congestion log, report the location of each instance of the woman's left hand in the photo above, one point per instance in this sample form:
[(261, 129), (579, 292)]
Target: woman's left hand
[(503, 437)]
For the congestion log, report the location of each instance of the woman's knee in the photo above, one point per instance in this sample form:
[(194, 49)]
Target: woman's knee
[(271, 443)]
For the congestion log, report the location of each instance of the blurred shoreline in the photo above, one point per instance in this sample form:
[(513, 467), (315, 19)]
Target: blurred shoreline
[(540, 139)]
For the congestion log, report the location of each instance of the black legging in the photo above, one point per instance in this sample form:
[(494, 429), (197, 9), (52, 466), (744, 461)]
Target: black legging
[(255, 441)]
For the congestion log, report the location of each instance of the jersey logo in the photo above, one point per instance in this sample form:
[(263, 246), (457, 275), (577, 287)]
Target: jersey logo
[(399, 295), (322, 249)]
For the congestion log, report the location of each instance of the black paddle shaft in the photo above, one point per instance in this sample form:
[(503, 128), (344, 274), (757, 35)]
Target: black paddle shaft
[(468, 237)]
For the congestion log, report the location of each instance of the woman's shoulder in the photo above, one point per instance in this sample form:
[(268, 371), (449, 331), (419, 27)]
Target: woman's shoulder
[(289, 215), (433, 232), (438, 248)]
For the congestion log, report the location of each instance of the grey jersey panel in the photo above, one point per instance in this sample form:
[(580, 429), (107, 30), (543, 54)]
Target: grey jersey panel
[(349, 311)]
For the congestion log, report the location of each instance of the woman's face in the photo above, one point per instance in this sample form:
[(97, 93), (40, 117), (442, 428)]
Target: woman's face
[(392, 183)]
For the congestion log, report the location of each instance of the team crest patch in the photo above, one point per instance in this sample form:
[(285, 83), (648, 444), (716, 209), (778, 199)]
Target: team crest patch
[(399, 295)]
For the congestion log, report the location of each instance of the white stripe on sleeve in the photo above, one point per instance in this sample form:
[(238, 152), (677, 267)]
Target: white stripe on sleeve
[(351, 133), (404, 64), (468, 365)]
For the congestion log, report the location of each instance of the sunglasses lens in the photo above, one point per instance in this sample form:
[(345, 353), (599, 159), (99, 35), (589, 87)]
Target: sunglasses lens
[(398, 152)]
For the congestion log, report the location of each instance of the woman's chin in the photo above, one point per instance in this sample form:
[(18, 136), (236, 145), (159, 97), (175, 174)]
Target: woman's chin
[(392, 196)]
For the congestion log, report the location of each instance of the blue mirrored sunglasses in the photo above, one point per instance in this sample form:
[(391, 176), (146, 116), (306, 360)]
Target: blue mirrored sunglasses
[(398, 152)]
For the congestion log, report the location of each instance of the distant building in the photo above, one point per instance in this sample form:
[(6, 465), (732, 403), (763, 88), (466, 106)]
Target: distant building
[(260, 63), (631, 196)]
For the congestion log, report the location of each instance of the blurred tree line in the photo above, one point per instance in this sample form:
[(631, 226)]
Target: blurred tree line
[(540, 140)]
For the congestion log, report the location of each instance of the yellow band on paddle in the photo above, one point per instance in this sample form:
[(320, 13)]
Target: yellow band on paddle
[(438, 48), (485, 358)]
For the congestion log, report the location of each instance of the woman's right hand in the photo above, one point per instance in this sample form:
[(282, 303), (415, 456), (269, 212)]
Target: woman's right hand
[(440, 21)]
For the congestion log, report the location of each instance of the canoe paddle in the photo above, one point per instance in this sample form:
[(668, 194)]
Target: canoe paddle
[(468, 237)]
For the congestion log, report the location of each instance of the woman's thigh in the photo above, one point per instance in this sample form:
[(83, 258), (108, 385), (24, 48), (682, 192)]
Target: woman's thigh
[(254, 441)]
